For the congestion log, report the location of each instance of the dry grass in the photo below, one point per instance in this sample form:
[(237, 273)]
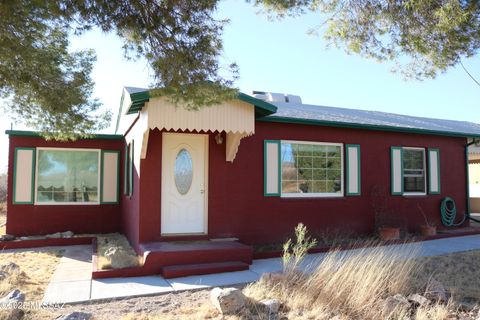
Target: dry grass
[(32, 276), (124, 256), (34, 272), (352, 287)]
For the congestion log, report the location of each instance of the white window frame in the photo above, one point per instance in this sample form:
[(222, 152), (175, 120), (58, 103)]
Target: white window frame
[(315, 195), (67, 203), (406, 193)]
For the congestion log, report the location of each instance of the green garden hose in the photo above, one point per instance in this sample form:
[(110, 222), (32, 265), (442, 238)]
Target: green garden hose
[(448, 210)]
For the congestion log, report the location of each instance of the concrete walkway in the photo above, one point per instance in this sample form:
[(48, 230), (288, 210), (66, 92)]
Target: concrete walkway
[(72, 283)]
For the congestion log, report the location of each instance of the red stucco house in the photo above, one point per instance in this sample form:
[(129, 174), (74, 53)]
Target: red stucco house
[(249, 169)]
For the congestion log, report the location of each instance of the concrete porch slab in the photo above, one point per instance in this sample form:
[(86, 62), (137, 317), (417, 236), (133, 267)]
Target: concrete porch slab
[(266, 265), (128, 287), (67, 292), (213, 280)]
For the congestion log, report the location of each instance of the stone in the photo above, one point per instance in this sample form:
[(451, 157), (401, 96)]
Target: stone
[(272, 305), (111, 251), (36, 237), (119, 258), (435, 291), (67, 234), (228, 300), (7, 237), (55, 235), (6, 269), (467, 304), (76, 316), (394, 302), (272, 277), (418, 300), (12, 304)]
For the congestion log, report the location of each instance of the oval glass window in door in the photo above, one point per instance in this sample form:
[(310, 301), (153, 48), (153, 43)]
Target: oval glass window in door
[(183, 171)]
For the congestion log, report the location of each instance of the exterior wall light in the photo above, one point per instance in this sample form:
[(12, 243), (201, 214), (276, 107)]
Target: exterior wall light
[(219, 138)]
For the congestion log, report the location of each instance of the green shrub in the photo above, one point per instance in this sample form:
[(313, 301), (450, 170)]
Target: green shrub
[(294, 252)]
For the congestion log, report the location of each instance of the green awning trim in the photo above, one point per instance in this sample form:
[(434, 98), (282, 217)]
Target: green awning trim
[(262, 108)]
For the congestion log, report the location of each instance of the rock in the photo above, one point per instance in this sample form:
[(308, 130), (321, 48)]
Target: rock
[(76, 316), (6, 269), (111, 251), (119, 258), (394, 302), (228, 300), (418, 300), (272, 277), (67, 234), (13, 297), (272, 305), (55, 235), (36, 237), (435, 291), (467, 304), (7, 237), (12, 304)]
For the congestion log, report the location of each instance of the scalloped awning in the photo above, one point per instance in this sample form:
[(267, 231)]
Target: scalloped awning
[(236, 118), (231, 116)]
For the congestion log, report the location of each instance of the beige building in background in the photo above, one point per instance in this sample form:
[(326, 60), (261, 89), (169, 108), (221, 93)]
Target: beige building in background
[(474, 177)]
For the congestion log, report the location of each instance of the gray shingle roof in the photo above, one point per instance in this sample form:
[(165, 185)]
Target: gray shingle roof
[(131, 90), (380, 120)]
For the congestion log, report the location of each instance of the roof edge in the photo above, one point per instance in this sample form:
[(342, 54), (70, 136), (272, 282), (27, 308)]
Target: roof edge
[(262, 108), (26, 133), (366, 126)]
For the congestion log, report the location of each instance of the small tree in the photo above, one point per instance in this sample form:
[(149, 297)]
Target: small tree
[(294, 252)]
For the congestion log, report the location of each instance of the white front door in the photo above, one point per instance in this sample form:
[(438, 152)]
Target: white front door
[(184, 183)]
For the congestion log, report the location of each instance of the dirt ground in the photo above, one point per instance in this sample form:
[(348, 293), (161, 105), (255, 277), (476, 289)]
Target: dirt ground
[(182, 305)]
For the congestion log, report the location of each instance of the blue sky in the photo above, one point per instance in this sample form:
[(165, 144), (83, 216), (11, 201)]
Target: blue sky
[(279, 56)]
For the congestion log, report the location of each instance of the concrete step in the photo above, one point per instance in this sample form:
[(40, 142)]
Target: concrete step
[(158, 255), (202, 268)]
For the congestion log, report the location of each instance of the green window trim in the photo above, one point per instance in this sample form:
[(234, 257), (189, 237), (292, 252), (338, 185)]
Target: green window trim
[(359, 178), (437, 151), (265, 166), (125, 168), (131, 167), (392, 171), (32, 191), (102, 166)]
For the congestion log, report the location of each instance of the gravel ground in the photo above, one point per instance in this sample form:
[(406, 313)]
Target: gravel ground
[(177, 305)]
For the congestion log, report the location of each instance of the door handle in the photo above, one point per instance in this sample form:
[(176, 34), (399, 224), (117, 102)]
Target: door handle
[(202, 191)]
